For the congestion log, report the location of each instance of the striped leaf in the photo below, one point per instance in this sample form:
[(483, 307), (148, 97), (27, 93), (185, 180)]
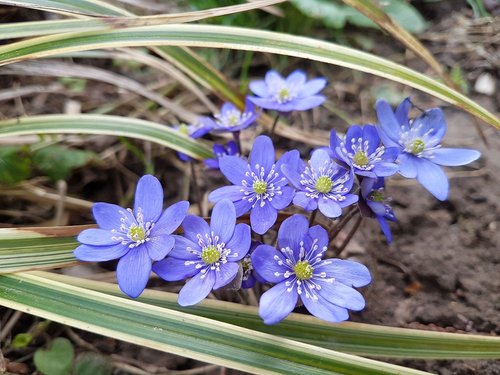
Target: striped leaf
[(177, 332), (106, 125), (243, 39)]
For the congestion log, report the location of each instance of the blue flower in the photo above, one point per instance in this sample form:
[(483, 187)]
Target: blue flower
[(293, 93), (374, 203), (232, 119), (138, 237), (259, 186), (361, 150), (419, 142), (298, 270), (220, 151), (195, 131), (209, 255), (250, 276), (321, 184)]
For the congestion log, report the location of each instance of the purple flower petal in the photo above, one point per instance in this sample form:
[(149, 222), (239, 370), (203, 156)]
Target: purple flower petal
[(197, 288), (232, 192), (240, 242), (370, 134), (98, 237), (432, 178), (170, 219), (288, 158), (302, 200), (182, 248), (272, 78), (341, 295), (265, 260), (454, 156), (228, 107), (194, 225), (263, 217), (319, 158), (172, 269), (279, 202), (259, 88), (385, 169), (133, 271), (277, 303), (391, 154), (292, 231), (349, 199), (292, 172), (329, 208), (297, 78), (325, 310), (307, 103), (346, 272), (354, 132), (402, 111), (408, 165), (242, 207), (388, 127), (159, 246), (312, 87), (227, 272), (384, 226), (100, 253), (108, 216), (319, 234), (149, 198), (223, 219), (234, 168), (262, 153)]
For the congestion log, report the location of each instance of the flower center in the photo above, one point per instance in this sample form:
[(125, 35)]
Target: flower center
[(136, 233), (284, 94), (376, 196), (210, 254), (360, 158), (259, 187), (183, 129), (417, 146), (303, 270), (323, 184)]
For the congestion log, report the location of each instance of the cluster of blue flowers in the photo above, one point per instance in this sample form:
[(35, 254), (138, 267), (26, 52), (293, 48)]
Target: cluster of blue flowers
[(350, 172)]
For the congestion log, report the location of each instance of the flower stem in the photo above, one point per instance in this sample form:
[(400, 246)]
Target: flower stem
[(312, 217), (341, 224), (236, 136), (271, 134), (349, 237), (196, 187)]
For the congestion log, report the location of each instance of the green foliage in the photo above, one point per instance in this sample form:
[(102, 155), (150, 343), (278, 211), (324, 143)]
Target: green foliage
[(58, 161), (336, 15), (74, 84), (478, 8), (457, 76), (21, 340), (92, 364), (56, 360), (14, 165)]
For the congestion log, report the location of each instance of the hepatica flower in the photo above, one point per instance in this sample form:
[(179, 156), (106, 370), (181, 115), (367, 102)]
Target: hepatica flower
[(321, 183), (250, 276), (258, 186), (138, 237), (220, 151), (325, 286), (209, 255), (419, 142), (232, 119), (294, 93), (362, 151), (195, 131), (374, 203)]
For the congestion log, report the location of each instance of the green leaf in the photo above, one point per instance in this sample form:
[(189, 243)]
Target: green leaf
[(57, 162), (400, 10), (56, 360), (106, 125), (89, 363), (244, 39), (14, 165), (330, 13), (179, 332), (21, 340)]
